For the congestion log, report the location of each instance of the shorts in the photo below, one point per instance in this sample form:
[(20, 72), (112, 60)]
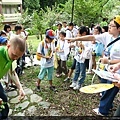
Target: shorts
[(43, 71), (73, 64)]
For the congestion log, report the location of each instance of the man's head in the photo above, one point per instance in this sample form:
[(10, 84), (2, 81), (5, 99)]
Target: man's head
[(18, 29), (50, 36), (114, 26), (59, 26), (7, 28), (83, 30), (97, 30), (70, 26), (64, 24), (16, 48), (62, 35)]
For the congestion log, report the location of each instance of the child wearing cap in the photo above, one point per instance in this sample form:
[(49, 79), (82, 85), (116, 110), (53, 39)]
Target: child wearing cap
[(45, 51)]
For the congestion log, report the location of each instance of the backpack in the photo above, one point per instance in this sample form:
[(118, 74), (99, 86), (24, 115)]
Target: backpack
[(37, 54), (99, 48)]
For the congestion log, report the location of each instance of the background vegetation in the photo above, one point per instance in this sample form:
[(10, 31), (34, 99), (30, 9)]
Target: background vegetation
[(39, 15)]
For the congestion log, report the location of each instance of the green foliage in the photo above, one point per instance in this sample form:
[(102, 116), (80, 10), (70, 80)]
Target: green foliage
[(85, 12), (26, 19), (31, 5), (111, 9), (47, 19), (51, 12)]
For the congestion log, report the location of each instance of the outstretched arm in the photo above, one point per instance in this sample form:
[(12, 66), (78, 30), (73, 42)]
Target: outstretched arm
[(82, 38)]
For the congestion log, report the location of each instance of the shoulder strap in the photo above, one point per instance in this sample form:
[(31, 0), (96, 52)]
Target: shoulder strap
[(113, 41), (42, 48)]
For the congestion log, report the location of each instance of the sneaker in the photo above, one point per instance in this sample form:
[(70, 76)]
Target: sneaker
[(67, 79), (38, 89), (73, 85), (77, 87), (89, 73), (53, 88), (96, 111)]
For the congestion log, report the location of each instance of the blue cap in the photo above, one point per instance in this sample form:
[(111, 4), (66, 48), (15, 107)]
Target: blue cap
[(3, 40)]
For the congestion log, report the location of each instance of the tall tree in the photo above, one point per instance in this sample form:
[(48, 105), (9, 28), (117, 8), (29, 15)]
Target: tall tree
[(50, 3), (86, 11), (31, 5)]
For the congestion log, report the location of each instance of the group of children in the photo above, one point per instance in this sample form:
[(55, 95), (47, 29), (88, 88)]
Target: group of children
[(81, 53), (69, 41), (82, 45)]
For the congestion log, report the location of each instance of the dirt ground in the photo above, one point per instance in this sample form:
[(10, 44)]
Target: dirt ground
[(67, 101)]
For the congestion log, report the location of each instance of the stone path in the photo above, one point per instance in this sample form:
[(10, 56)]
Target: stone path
[(28, 105)]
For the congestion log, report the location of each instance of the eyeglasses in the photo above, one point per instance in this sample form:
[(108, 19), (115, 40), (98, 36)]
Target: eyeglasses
[(112, 26)]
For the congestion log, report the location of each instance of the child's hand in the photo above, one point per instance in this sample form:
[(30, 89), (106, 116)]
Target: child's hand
[(117, 76), (47, 57)]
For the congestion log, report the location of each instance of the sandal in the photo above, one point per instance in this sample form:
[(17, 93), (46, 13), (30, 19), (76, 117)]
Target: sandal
[(9, 89), (13, 86)]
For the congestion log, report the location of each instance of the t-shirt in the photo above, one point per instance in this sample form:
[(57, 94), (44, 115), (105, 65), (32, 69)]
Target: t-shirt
[(72, 33), (47, 47), (57, 32), (81, 57), (106, 38), (64, 29), (5, 62), (63, 45)]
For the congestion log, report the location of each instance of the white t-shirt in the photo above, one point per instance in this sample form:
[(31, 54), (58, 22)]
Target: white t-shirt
[(81, 57), (106, 38), (64, 29), (72, 33), (47, 46), (63, 45), (57, 32)]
